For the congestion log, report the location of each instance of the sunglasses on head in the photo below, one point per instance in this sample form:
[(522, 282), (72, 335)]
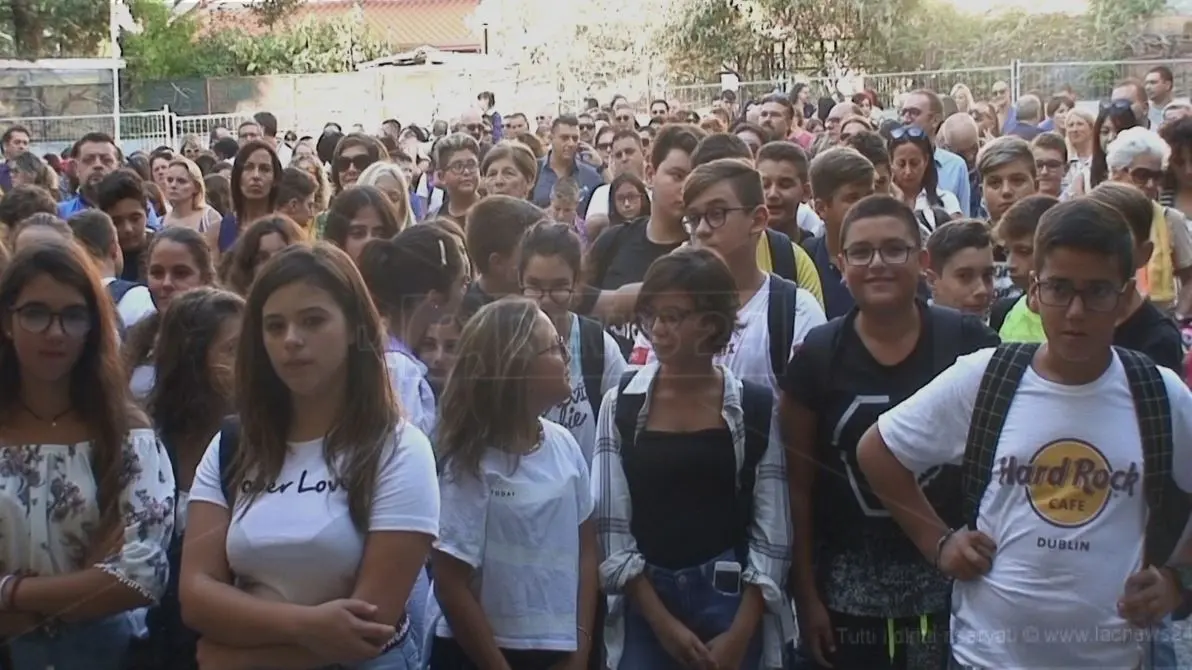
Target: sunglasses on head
[(1120, 105), (912, 132)]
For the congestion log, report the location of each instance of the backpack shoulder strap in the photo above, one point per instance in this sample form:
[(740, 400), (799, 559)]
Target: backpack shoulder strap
[(782, 255), (1168, 507), (591, 361), (998, 386), (946, 326), (118, 288), (757, 407), (780, 318), (628, 408), (229, 442)]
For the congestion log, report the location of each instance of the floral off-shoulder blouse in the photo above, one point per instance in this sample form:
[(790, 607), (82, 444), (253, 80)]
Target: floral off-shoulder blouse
[(48, 511)]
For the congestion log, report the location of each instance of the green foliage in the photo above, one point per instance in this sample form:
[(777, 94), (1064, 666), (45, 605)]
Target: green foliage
[(32, 29), (771, 39), (176, 47), (272, 12)]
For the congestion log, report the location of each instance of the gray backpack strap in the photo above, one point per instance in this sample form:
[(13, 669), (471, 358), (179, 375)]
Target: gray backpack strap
[(998, 385), (1168, 507)]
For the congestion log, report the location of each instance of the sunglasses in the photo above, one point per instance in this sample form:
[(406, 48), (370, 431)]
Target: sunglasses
[(587, 126), (359, 162), (1118, 106), (904, 132)]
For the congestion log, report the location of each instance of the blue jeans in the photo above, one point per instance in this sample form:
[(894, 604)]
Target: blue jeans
[(690, 597), (1160, 652), (416, 608), (95, 645), (402, 657)]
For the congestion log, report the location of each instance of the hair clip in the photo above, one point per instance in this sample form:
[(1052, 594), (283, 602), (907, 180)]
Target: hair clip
[(442, 253)]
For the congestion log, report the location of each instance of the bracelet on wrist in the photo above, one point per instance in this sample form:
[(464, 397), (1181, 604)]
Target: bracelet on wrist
[(5, 592), (939, 546)]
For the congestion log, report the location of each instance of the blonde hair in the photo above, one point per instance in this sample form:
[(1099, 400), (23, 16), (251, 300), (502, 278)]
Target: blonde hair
[(196, 179), (484, 402), (964, 104), (373, 173)]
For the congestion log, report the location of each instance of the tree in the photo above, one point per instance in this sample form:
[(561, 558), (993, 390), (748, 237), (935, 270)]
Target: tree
[(170, 46), (575, 49), (272, 12), (32, 29)]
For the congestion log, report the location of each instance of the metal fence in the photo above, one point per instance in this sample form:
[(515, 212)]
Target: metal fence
[(1089, 82), (138, 130)]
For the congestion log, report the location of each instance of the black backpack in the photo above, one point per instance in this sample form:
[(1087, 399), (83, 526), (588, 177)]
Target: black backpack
[(782, 255), (1168, 507), (170, 644), (757, 404), (229, 442), (591, 353), (780, 320)]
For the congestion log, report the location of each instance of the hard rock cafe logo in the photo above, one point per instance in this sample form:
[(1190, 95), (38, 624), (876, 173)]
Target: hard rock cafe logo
[(1068, 483)]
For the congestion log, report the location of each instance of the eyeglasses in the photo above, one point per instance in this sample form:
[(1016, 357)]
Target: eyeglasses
[(912, 132), (38, 318), (1048, 165), (558, 346), (359, 161), (862, 255), (560, 295), (1143, 176), (1098, 296), (587, 126), (715, 216), (668, 317), (632, 198), (462, 167)]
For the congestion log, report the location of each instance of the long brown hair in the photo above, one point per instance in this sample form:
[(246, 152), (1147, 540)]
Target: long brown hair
[(237, 273), (484, 402), (347, 205), (140, 338), (186, 399), (98, 389), (353, 445)]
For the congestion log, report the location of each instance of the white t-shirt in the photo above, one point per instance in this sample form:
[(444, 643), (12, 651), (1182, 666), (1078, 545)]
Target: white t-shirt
[(408, 377), (518, 527), (748, 353), (136, 304), (575, 413), (142, 381), (951, 203), (296, 543), (1063, 552), (808, 220)]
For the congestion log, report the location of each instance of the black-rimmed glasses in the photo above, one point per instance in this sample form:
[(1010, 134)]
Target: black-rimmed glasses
[(1098, 296), (38, 318)]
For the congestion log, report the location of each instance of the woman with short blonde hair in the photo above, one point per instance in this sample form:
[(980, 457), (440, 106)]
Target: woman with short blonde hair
[(186, 191)]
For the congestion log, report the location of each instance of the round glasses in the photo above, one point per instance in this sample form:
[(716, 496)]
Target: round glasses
[(38, 318)]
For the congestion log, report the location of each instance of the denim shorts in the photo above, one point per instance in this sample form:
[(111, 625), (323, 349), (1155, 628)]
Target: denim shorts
[(402, 657), (94, 645), (690, 597)]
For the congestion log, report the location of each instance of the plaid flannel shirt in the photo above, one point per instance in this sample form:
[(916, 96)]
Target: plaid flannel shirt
[(770, 535)]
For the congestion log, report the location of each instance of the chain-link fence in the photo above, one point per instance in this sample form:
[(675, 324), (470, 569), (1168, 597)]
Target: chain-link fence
[(1094, 81)]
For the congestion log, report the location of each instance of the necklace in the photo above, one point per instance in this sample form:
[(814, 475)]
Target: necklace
[(53, 420)]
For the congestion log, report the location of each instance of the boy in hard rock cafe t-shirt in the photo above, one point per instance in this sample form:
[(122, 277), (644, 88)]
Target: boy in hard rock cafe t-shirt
[(1053, 574)]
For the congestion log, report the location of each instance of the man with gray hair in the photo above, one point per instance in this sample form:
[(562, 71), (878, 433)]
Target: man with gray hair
[(1028, 114), (1138, 157), (961, 135)]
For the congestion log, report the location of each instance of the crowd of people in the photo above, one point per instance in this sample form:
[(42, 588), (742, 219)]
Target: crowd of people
[(781, 385)]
